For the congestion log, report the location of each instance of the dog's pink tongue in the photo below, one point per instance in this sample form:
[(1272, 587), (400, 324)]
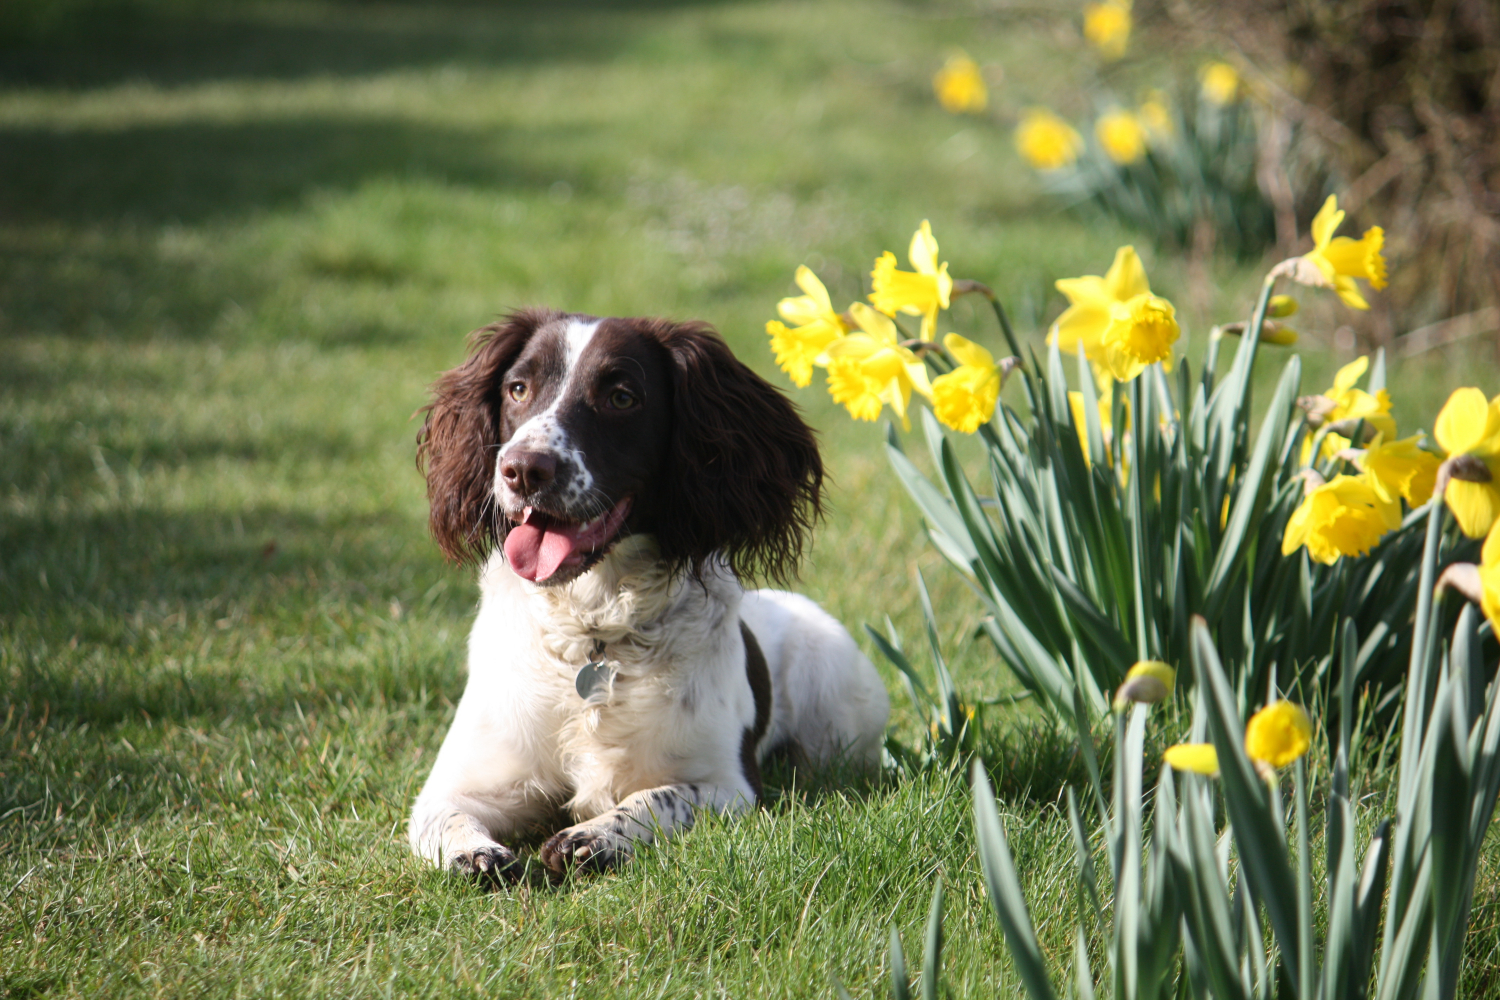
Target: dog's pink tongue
[(535, 552)]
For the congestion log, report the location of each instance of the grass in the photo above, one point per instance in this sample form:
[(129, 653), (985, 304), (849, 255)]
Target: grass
[(236, 244)]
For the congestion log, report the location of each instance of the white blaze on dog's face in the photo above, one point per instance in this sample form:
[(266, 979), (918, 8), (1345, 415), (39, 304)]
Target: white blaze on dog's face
[(560, 433), (585, 418)]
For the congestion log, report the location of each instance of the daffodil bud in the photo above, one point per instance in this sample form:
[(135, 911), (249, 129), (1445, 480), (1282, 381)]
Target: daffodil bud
[(1317, 408), (1146, 683), (1347, 427), (1281, 307), (1270, 332)]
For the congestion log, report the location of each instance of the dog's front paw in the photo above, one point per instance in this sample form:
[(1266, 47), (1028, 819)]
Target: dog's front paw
[(584, 847), (490, 865)]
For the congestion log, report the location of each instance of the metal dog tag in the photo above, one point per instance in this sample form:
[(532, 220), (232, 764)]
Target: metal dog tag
[(592, 677)]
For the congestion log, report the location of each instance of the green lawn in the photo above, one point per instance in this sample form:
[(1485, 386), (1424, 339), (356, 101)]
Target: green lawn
[(236, 245)]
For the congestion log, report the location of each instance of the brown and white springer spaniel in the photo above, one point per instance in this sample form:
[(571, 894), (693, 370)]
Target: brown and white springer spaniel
[(616, 478)]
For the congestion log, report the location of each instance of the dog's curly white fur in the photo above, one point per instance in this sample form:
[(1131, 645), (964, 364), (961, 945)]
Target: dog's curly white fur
[(674, 724)]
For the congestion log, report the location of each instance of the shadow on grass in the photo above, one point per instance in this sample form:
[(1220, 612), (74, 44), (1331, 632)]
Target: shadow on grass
[(92, 43), (149, 613), (193, 171)]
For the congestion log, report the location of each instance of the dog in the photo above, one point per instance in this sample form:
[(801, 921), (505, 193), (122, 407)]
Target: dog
[(615, 480)]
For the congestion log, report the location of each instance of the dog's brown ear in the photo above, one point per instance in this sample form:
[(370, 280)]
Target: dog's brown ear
[(460, 437), (743, 475)]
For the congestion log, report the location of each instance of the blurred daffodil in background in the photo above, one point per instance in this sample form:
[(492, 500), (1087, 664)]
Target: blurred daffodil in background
[(1276, 736), (917, 293), (1122, 136), (1468, 430), (1336, 261), (1146, 683), (959, 85), (1115, 319), (1046, 141), (1107, 25), (1155, 113), (1220, 83)]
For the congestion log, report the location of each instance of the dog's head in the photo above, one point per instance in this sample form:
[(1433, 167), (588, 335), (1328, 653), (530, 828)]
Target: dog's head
[(563, 433)]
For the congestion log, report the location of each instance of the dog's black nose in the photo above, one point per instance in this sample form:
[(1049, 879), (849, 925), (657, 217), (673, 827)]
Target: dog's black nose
[(526, 472)]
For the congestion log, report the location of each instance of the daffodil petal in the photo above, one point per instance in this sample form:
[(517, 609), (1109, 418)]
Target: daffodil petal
[(923, 252), (1465, 422), (1475, 506), (810, 283), (877, 325), (1200, 758), (1326, 222), (1349, 375), (967, 352), (1126, 277)]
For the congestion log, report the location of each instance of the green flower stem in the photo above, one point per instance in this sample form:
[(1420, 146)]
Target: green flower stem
[(965, 287), (1211, 360), (1247, 351), (1305, 971)]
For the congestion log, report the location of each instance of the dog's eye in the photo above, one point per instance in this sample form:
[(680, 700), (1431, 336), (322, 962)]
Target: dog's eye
[(622, 399), (519, 391)]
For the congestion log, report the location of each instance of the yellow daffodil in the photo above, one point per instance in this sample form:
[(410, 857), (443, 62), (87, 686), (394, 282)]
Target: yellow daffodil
[(959, 86), (1200, 758), (1116, 319), (1345, 404), (1401, 469), (1281, 306), (1468, 430), (1141, 332), (1221, 83), (1146, 683), (1107, 26), (1489, 577), (1122, 136), (1343, 517), (1046, 141), (1155, 113), (1334, 262), (815, 325), (870, 369), (1278, 734), (917, 293), (965, 397)]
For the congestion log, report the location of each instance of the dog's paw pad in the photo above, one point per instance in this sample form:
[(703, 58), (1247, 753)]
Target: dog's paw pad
[(492, 865), (579, 847)]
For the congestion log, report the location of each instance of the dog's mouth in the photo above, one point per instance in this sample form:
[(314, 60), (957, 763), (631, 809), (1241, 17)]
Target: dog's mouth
[(540, 544)]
